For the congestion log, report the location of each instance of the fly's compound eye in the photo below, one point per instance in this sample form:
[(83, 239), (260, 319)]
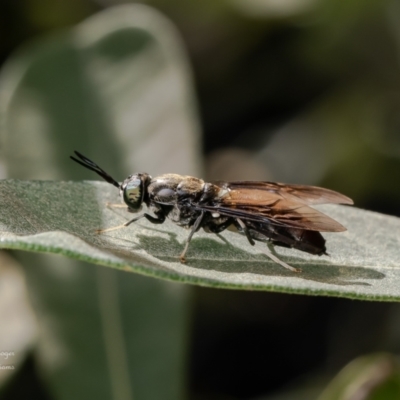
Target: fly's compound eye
[(133, 192)]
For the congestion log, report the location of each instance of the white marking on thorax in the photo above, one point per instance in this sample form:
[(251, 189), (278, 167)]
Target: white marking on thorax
[(223, 192)]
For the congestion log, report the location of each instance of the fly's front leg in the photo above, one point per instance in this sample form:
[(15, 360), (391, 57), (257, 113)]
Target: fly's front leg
[(194, 229), (115, 205), (150, 218)]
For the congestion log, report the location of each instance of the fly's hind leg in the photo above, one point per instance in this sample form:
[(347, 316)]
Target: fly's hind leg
[(264, 250), (194, 229), (273, 257), (246, 231)]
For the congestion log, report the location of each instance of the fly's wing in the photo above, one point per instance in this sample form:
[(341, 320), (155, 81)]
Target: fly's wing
[(300, 193), (277, 204)]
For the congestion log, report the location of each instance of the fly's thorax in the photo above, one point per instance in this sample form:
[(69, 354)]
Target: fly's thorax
[(133, 190), (190, 186), (170, 188)]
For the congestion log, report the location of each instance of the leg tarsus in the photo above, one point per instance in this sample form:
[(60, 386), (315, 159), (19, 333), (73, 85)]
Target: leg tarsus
[(114, 228), (274, 258), (115, 205), (149, 217), (120, 226)]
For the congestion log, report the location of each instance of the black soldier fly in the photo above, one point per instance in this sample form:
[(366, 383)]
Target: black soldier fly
[(263, 211)]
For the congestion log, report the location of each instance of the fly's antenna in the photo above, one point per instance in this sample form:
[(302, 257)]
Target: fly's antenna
[(89, 164)]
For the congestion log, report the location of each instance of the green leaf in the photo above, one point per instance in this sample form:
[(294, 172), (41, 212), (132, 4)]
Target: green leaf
[(61, 217), (372, 377)]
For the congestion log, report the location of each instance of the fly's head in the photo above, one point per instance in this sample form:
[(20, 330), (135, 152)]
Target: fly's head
[(133, 190)]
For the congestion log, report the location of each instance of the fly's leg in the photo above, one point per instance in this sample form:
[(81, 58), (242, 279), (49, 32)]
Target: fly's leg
[(194, 229), (264, 250), (149, 217), (114, 228), (115, 205), (246, 231), (273, 257)]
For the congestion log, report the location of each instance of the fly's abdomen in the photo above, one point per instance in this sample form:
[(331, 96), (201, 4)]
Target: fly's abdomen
[(301, 239)]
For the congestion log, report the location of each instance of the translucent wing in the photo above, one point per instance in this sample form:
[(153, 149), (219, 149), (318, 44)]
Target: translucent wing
[(278, 204), (300, 193)]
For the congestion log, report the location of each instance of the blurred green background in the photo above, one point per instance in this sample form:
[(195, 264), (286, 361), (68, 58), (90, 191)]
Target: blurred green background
[(301, 91)]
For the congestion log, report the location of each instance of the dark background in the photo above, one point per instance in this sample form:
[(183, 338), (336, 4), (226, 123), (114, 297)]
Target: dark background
[(261, 71)]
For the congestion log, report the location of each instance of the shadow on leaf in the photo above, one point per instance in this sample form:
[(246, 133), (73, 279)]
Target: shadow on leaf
[(209, 254)]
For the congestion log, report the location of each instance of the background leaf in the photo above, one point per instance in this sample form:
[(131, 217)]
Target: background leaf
[(111, 87), (371, 377)]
